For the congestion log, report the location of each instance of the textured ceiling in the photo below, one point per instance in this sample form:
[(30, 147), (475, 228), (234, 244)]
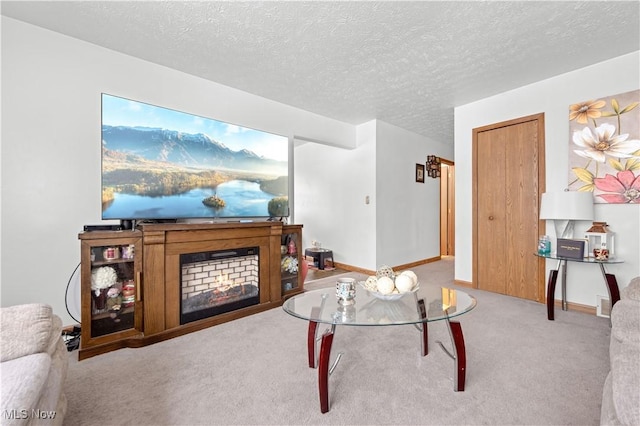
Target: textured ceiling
[(406, 63)]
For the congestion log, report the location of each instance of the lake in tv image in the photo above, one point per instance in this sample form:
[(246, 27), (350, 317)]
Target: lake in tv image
[(158, 163), (242, 199)]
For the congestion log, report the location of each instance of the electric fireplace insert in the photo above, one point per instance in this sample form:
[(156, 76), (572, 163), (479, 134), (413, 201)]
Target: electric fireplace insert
[(215, 282)]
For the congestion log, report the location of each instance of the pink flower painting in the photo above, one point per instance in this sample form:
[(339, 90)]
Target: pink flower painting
[(620, 189), (604, 152)]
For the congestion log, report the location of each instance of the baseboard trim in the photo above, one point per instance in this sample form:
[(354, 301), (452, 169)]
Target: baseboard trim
[(585, 309), (402, 267), (351, 268), (417, 263), (467, 284)]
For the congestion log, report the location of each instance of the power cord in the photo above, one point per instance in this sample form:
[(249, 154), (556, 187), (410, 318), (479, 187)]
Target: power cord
[(71, 338), (66, 295)]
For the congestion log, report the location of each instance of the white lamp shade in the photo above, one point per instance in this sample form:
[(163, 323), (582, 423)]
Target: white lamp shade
[(567, 205)]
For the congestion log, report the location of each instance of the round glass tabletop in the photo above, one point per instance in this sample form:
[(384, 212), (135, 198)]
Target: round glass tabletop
[(428, 303)]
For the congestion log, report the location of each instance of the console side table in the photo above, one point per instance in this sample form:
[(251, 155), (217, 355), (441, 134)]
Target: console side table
[(610, 280)]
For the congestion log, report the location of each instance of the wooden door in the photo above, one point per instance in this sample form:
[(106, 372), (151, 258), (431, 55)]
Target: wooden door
[(508, 161)]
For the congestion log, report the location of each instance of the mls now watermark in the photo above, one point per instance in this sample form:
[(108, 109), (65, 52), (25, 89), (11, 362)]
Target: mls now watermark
[(28, 414)]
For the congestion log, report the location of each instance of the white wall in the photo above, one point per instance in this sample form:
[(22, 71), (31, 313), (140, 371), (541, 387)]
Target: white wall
[(51, 86), (401, 223), (552, 97), (408, 212), (330, 186)]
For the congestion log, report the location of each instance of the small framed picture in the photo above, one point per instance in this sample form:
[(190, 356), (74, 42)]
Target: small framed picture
[(420, 173)]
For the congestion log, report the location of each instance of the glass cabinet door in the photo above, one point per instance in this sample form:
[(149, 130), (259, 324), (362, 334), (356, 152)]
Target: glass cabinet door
[(111, 299), (290, 254)]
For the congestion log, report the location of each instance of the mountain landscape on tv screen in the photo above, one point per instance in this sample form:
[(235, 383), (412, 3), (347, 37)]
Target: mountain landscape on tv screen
[(184, 149), (148, 163)]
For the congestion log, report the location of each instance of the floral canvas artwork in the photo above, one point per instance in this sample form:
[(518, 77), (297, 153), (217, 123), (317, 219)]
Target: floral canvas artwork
[(604, 148)]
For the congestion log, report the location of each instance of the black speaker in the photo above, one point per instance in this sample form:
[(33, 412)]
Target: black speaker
[(91, 228), (127, 224)]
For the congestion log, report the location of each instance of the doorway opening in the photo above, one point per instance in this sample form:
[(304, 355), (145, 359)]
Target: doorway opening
[(447, 209)]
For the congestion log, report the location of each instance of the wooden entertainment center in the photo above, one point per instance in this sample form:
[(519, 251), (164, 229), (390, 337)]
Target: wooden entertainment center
[(135, 298)]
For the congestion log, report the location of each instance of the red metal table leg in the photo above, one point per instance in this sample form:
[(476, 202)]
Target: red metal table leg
[(551, 292), (312, 335), (323, 370), (460, 355), (614, 291), (422, 327), (425, 339), (612, 285), (311, 343)]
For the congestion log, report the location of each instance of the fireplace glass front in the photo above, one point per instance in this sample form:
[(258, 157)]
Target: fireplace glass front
[(216, 282)]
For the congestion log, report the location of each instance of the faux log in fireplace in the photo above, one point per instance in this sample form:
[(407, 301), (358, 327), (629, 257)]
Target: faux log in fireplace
[(216, 282)]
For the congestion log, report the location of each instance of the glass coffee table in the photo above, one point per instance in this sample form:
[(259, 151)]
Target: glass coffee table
[(427, 304)]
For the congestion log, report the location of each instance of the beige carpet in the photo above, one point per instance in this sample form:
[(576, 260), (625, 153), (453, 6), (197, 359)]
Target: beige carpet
[(521, 369), (318, 274)]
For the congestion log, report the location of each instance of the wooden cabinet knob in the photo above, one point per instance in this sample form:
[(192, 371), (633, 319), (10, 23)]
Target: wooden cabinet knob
[(490, 217)]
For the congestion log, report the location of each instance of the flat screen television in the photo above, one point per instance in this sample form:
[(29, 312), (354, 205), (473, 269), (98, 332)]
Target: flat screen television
[(162, 164)]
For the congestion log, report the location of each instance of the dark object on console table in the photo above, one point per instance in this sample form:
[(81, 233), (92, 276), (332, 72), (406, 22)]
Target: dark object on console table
[(90, 228), (571, 249)]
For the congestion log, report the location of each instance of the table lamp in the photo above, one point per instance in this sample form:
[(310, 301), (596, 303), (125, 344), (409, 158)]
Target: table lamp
[(564, 208)]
